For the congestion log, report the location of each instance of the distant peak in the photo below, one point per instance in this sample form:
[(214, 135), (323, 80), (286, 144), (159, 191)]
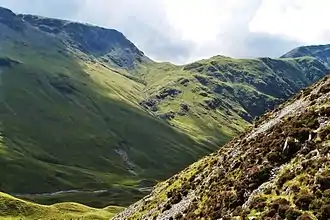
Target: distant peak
[(52, 22), (306, 51), (10, 19), (320, 52), (5, 9), (109, 45), (5, 12)]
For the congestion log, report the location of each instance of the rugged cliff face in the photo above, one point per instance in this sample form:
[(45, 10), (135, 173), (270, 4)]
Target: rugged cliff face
[(279, 169), (108, 45)]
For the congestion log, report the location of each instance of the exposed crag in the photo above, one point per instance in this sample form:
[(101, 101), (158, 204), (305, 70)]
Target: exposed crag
[(108, 45)]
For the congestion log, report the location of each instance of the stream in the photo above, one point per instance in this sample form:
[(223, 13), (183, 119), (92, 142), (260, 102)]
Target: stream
[(74, 191)]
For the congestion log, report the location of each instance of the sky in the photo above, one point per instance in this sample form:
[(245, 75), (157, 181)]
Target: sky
[(182, 31)]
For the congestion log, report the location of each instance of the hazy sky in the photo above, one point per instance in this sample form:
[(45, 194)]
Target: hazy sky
[(186, 30)]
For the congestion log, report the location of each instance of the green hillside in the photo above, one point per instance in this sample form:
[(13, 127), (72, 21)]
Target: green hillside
[(12, 209), (82, 108), (278, 169), (71, 122), (214, 99)]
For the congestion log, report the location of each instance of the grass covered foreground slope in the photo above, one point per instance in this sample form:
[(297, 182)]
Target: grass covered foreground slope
[(279, 169), (68, 121), (12, 208)]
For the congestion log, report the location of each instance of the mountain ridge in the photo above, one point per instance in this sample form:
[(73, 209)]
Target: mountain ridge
[(91, 40), (319, 51)]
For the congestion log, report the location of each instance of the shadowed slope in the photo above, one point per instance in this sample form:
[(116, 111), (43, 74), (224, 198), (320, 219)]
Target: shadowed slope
[(69, 122)]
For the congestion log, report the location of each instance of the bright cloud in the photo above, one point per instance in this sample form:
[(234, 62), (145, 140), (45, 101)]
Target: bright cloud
[(303, 20), (198, 21), (182, 31)]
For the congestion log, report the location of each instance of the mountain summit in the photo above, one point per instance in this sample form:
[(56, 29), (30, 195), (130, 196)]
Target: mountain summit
[(107, 44), (322, 52)]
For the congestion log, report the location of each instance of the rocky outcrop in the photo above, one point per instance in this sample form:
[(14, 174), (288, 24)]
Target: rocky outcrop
[(279, 169), (151, 103), (168, 92), (9, 19), (107, 44), (7, 62)]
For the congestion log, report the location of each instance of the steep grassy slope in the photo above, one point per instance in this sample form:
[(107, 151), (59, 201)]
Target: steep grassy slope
[(12, 208), (211, 100), (70, 122), (214, 99), (279, 169)]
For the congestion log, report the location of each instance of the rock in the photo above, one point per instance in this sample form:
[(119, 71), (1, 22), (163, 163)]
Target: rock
[(184, 109), (150, 104), (204, 81), (291, 146), (168, 92), (212, 103), (184, 81), (211, 69), (307, 147), (168, 116), (204, 94), (6, 62)]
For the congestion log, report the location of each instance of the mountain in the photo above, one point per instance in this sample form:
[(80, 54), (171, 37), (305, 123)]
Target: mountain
[(87, 117), (91, 40), (277, 169), (12, 208), (322, 52), (70, 121), (214, 99)]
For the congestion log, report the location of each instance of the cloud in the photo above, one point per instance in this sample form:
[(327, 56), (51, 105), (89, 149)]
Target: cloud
[(144, 22), (301, 20), (182, 31), (156, 44)]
